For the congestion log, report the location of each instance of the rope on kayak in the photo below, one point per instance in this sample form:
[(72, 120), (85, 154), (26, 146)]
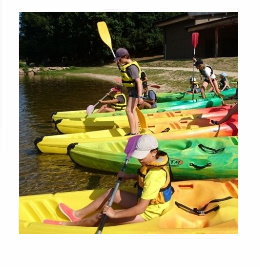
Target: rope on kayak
[(201, 211)]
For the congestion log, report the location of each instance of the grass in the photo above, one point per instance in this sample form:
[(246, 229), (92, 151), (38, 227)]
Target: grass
[(174, 80)]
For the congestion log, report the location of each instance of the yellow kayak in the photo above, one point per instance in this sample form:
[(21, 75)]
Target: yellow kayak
[(67, 126), (112, 116), (197, 207), (58, 144)]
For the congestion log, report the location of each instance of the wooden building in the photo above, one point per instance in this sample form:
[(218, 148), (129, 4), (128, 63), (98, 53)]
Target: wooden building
[(218, 35)]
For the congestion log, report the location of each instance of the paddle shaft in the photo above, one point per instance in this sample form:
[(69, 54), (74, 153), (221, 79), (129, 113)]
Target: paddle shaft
[(111, 200), (102, 98), (130, 147), (194, 41)]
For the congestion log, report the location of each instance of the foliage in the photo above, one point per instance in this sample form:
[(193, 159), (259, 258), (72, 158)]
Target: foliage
[(66, 38)]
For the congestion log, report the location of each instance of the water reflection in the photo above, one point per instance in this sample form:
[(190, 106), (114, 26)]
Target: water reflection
[(39, 97)]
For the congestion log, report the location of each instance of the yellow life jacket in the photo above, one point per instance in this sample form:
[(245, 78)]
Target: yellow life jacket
[(166, 190), (126, 80), (196, 84), (119, 106)]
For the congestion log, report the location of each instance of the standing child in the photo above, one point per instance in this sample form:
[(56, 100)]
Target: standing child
[(209, 77), (154, 192), (131, 79)]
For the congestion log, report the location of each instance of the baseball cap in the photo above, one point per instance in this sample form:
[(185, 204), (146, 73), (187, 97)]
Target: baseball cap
[(121, 52), (144, 145), (117, 88), (223, 74), (198, 62)]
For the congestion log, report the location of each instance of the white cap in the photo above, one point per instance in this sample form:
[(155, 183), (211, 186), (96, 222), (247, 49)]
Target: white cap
[(144, 145)]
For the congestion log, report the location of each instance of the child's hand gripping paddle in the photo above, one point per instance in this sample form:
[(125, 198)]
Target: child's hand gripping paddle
[(129, 149), (91, 108)]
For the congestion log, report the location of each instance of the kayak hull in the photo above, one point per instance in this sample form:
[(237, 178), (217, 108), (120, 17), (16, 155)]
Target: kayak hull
[(193, 194), (196, 158)]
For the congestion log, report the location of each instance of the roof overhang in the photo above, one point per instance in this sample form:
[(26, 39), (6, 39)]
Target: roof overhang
[(216, 23)]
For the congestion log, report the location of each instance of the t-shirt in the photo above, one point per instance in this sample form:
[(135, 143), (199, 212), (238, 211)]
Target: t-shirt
[(120, 99), (153, 182), (133, 72)]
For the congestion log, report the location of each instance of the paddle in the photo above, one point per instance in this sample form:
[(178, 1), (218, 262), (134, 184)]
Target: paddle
[(129, 149), (91, 108), (194, 42), (105, 35), (141, 118)]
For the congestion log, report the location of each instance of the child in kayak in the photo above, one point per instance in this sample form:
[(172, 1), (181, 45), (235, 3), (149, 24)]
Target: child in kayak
[(150, 99), (117, 101), (223, 83), (194, 85), (153, 195)]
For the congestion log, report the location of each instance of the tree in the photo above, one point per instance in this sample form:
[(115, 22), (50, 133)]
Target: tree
[(72, 37)]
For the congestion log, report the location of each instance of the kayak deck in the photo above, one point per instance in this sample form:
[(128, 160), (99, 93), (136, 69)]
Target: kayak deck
[(175, 220)]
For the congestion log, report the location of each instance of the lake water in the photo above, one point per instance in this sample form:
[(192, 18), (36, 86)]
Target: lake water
[(39, 97)]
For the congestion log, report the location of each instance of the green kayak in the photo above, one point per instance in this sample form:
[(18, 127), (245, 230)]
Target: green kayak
[(166, 97), (195, 158), (161, 107)]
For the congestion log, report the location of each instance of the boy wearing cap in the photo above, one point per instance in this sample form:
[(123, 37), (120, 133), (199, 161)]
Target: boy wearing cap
[(117, 102), (152, 198), (131, 79), (209, 77), (150, 99), (223, 83)]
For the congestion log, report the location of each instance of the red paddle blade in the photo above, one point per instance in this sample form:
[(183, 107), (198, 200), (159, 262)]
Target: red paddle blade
[(131, 145), (155, 86), (195, 39)]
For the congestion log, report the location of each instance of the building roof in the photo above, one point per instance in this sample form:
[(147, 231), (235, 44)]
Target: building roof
[(220, 16)]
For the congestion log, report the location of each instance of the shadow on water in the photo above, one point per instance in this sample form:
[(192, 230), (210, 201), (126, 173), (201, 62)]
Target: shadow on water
[(39, 97)]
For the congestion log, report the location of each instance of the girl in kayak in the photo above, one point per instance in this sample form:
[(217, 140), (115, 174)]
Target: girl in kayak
[(117, 102), (153, 195)]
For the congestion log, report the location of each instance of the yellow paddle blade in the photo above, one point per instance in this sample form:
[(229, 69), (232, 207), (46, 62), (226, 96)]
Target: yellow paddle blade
[(141, 118), (104, 34)]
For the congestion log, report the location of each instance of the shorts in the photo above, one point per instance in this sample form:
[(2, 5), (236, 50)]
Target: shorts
[(153, 211), (132, 92)]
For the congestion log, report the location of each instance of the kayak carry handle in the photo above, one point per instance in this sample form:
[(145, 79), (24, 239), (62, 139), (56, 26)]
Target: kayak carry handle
[(197, 167), (210, 150)]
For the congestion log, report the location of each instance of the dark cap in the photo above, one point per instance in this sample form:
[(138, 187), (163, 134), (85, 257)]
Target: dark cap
[(121, 52), (198, 62)]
